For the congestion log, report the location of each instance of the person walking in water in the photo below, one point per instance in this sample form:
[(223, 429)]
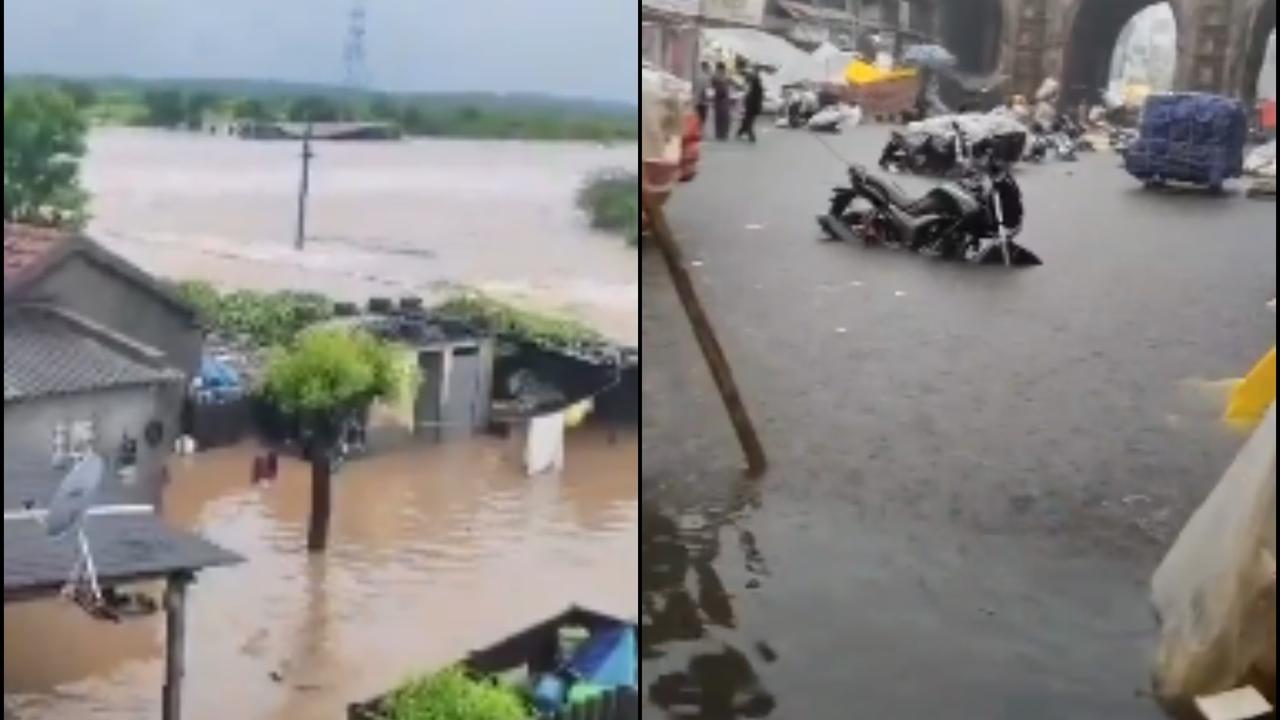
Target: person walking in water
[(752, 103), (721, 104)]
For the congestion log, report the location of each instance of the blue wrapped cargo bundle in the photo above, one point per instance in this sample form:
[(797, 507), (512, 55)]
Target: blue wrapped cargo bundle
[(1189, 137)]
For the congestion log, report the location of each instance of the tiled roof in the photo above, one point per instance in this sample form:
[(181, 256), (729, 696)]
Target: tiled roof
[(46, 354), (25, 247), (30, 252)]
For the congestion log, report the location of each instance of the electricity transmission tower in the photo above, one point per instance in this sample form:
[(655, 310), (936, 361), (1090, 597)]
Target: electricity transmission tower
[(353, 56)]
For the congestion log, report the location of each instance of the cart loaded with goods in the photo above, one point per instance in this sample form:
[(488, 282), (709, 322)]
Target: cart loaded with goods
[(881, 93), (1192, 138)]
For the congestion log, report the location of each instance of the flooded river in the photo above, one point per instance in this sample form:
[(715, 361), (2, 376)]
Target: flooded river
[(434, 551), (389, 218)]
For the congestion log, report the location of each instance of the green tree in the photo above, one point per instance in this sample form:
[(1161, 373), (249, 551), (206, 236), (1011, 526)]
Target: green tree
[(327, 381), (315, 108), (81, 93), (250, 109), (610, 198), (165, 108), (44, 142), (197, 105), (384, 108)]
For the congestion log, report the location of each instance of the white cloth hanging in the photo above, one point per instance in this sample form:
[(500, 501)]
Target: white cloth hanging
[(544, 445)]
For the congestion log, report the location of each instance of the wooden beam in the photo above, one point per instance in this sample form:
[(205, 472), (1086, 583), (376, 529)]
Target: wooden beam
[(175, 611), (705, 334)]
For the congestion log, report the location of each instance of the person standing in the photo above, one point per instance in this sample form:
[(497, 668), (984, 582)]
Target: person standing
[(752, 103), (720, 101), (700, 77)]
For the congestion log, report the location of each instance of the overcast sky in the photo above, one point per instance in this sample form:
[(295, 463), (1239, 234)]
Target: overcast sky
[(566, 47)]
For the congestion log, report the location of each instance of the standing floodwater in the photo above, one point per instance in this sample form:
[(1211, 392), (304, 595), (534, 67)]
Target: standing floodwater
[(435, 551), (389, 218)]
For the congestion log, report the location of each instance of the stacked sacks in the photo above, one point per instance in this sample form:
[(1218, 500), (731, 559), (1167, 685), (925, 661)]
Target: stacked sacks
[(1189, 137)]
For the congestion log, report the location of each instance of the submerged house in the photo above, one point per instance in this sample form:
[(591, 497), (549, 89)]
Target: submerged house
[(455, 363), (96, 353)]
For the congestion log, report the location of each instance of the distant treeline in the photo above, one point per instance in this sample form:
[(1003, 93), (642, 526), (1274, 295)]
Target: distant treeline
[(192, 104)]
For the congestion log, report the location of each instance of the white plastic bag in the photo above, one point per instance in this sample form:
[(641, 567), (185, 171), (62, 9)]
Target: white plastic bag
[(1215, 591), (1261, 162)]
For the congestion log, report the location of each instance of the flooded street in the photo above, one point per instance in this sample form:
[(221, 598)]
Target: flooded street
[(435, 550), (385, 218), (973, 474)]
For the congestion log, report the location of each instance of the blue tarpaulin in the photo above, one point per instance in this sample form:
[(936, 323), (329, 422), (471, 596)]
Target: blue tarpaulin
[(609, 659)]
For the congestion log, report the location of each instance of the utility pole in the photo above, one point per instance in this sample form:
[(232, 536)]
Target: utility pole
[(300, 239)]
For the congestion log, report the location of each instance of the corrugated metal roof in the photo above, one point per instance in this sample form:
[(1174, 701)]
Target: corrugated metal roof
[(125, 549), (45, 355)]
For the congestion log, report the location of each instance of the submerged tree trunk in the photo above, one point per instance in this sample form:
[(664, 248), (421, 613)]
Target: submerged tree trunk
[(321, 500)]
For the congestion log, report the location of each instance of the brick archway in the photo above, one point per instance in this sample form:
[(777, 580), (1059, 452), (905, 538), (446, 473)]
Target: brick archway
[(1089, 31), (1259, 22), (977, 32)]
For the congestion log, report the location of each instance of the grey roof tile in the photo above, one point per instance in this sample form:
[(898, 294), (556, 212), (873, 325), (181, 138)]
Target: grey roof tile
[(46, 355)]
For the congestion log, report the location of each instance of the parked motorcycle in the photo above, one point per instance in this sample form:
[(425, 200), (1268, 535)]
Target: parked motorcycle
[(974, 219), (920, 154), (940, 147)]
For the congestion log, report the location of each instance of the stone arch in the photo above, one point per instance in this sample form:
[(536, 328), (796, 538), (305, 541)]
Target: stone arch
[(977, 32), (1090, 30), (1261, 22)]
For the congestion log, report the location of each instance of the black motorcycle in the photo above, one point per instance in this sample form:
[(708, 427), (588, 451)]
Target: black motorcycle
[(974, 219), (932, 154), (920, 154)]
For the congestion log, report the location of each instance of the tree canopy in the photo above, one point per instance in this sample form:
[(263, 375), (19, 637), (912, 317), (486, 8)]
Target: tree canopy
[(164, 108), (44, 142), (332, 371)]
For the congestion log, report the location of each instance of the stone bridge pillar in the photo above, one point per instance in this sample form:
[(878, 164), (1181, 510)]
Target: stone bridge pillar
[(1214, 40)]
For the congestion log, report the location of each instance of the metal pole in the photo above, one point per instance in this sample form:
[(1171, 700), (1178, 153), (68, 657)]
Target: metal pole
[(175, 605), (300, 239)]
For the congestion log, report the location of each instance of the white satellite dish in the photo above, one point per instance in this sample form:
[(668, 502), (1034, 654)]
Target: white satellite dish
[(70, 507), (74, 496), (66, 515)]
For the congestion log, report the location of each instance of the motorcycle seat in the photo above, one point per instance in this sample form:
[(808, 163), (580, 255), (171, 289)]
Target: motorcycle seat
[(896, 195)]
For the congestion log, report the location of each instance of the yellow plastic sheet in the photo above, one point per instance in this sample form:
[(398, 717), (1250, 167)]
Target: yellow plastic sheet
[(860, 72), (1253, 395), (577, 414)]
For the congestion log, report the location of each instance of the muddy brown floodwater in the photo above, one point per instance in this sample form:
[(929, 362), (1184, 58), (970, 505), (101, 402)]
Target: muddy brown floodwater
[(385, 218), (435, 550)]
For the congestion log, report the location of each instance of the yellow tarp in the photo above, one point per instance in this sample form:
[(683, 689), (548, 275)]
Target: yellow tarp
[(860, 72), (1253, 395), (577, 414)]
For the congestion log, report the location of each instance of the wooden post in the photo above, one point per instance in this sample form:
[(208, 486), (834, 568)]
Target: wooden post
[(175, 607), (705, 334), (321, 498)]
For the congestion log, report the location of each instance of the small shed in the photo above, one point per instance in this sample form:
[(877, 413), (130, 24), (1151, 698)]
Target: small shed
[(127, 550), (456, 364)]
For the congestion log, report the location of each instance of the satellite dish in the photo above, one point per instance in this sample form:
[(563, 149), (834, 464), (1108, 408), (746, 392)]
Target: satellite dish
[(74, 496), (66, 515), (68, 510)]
